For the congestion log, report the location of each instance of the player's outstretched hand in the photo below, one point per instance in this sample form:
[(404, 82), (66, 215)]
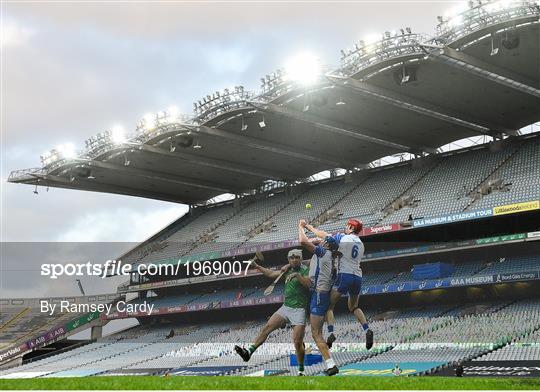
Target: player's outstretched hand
[(302, 223)]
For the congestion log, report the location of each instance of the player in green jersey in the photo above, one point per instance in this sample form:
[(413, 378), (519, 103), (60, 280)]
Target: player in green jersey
[(293, 310)]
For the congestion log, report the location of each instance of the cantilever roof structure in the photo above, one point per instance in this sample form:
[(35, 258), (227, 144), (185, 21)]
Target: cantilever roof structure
[(404, 93)]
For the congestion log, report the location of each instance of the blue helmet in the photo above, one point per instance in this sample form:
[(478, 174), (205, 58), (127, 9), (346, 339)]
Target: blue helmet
[(331, 243)]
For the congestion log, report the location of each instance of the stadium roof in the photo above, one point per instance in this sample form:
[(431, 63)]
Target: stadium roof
[(403, 93)]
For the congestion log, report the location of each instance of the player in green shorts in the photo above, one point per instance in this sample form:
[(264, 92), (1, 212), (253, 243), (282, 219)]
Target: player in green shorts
[(293, 310)]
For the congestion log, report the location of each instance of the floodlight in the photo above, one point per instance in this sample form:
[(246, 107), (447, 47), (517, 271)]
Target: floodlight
[(458, 9), (262, 124), (404, 76), (371, 38), (149, 120), (244, 125), (494, 50), (67, 151), (304, 69), (172, 112), (118, 135), (456, 20)]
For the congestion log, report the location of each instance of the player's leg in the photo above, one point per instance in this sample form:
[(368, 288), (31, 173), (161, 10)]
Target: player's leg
[(316, 331), (298, 333), (318, 307), (335, 295), (354, 299), (276, 321)]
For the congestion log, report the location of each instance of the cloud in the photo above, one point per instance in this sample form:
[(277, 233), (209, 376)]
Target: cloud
[(120, 225), (14, 33), (226, 60), (21, 268)]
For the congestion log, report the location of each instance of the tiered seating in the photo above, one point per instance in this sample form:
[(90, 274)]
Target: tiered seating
[(23, 323), (522, 172), (467, 269), (377, 278), (444, 189), (234, 231), (321, 197), (442, 186), (183, 239), (513, 264), (374, 194), (438, 334), (526, 348), (370, 278), (424, 353)]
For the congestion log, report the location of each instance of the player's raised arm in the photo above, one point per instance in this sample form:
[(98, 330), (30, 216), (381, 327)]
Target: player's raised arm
[(317, 232), (266, 271), (303, 239)]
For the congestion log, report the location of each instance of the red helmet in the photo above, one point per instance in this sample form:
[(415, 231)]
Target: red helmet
[(355, 224)]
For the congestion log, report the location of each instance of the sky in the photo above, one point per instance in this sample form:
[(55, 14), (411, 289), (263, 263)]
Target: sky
[(72, 69)]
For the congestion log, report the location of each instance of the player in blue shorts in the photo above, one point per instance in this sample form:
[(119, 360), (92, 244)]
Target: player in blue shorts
[(319, 282), (350, 250)]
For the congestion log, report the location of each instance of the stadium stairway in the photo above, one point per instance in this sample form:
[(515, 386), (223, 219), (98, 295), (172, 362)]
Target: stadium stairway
[(42, 328), (198, 242), (506, 160), (252, 234), (317, 221), (434, 165), (13, 319)]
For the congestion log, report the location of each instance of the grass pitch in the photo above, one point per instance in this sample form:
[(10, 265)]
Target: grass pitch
[(268, 383)]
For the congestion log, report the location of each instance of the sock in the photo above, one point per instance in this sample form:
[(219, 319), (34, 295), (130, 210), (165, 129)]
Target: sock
[(330, 363), (301, 367), (330, 328), (252, 349), (365, 326)]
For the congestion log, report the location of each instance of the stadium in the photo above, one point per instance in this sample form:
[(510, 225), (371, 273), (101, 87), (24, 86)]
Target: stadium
[(451, 269)]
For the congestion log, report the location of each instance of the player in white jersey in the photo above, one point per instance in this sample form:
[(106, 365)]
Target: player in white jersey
[(319, 282), (349, 275)]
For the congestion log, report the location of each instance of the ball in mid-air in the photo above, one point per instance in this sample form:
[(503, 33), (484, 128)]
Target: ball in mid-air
[(308, 206)]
